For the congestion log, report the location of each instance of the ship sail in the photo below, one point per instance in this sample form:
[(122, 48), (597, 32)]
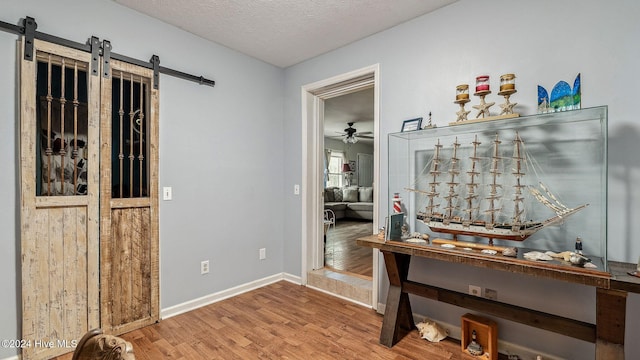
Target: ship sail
[(434, 173), (482, 212), (494, 185), (472, 185), (452, 184)]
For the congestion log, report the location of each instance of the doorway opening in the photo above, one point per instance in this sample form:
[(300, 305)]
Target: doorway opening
[(318, 136), (348, 182)]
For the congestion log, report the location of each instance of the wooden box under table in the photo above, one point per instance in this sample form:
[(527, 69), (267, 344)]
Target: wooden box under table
[(486, 335)]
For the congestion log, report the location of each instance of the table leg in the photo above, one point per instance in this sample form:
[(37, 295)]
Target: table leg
[(611, 308), (398, 318)]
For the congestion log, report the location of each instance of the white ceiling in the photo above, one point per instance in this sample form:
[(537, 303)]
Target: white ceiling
[(284, 32)]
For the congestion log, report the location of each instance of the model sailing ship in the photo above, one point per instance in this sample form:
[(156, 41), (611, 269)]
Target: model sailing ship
[(463, 209)]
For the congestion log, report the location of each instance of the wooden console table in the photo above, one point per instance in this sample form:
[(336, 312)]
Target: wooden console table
[(611, 294)]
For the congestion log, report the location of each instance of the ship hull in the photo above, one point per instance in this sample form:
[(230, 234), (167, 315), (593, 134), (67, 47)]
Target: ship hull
[(482, 231), (498, 231)]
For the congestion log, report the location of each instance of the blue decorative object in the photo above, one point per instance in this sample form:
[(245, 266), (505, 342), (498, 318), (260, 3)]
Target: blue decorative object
[(562, 97)]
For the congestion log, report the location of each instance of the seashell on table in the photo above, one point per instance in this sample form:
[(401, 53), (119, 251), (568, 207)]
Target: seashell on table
[(416, 241), (537, 255), (510, 252)]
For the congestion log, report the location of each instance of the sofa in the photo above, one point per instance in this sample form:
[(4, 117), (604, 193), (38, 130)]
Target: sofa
[(353, 202)]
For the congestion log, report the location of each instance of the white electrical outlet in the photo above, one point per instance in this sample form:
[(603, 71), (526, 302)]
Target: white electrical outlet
[(475, 290), (263, 254), (204, 267), (296, 189)]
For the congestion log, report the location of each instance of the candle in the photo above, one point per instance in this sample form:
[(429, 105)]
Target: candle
[(507, 82), (482, 83), (462, 92)]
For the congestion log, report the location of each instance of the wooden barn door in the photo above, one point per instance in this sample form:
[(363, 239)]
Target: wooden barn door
[(59, 117), (129, 199), (89, 219)]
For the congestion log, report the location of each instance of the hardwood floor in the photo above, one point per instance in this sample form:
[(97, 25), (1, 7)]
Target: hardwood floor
[(342, 253), (280, 321)]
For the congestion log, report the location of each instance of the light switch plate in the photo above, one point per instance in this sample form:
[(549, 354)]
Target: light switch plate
[(167, 193)]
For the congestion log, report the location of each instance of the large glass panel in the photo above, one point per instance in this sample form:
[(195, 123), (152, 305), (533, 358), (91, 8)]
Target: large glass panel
[(534, 183)]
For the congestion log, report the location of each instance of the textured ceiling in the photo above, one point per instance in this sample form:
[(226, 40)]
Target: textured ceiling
[(284, 32)]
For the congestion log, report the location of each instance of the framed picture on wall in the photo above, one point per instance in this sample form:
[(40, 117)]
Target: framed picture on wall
[(412, 124), (352, 165)]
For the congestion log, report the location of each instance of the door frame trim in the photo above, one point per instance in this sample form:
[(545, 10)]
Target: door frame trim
[(312, 103)]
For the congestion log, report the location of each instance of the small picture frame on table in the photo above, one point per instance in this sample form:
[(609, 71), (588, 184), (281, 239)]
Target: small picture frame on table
[(412, 124), (394, 227)]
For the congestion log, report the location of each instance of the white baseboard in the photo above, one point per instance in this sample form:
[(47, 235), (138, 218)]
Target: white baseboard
[(504, 347), (17, 357), (292, 278), (225, 294)]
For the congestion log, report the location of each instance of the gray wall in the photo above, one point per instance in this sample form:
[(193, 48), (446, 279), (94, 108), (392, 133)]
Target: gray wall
[(220, 149), (542, 42)]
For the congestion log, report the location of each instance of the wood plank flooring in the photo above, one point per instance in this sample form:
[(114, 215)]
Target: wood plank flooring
[(341, 252), (280, 321)]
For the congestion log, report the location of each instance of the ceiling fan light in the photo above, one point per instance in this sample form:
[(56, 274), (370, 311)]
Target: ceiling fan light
[(350, 139)]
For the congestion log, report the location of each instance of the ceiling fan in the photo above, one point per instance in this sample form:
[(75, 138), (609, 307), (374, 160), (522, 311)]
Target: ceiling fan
[(351, 135)]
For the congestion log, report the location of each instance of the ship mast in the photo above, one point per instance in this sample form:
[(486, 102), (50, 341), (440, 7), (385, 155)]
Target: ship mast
[(493, 192), (434, 173), (518, 174), (464, 219), (472, 185), (452, 194)]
